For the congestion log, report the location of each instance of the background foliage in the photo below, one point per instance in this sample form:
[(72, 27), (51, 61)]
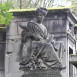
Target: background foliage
[(23, 4), (5, 5), (74, 4), (5, 16)]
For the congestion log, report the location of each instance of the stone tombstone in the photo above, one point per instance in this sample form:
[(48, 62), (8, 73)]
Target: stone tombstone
[(41, 58)]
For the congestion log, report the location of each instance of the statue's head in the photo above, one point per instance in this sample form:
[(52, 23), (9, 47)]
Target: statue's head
[(42, 10), (41, 13)]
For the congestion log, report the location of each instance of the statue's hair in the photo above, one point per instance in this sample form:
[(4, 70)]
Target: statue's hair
[(42, 10)]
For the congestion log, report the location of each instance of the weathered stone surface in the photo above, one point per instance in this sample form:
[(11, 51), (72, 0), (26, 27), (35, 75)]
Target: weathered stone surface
[(42, 73), (12, 30), (17, 19)]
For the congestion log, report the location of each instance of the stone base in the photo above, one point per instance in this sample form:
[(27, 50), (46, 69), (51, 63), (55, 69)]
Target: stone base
[(42, 73)]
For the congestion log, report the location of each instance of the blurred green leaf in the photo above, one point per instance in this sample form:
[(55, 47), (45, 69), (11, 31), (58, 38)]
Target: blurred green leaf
[(5, 17)]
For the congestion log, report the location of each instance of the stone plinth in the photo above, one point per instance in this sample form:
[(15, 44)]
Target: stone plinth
[(42, 73), (73, 59)]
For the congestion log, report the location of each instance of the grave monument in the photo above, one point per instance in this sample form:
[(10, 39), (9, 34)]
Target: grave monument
[(41, 59)]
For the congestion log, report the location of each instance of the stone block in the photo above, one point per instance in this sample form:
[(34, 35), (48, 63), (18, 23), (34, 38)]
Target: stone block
[(12, 29), (17, 19), (13, 37), (73, 59), (42, 73)]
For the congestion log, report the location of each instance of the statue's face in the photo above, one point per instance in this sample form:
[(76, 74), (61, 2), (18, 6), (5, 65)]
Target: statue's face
[(40, 17)]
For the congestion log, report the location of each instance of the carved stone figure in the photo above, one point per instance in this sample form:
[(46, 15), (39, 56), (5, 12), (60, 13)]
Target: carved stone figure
[(39, 45)]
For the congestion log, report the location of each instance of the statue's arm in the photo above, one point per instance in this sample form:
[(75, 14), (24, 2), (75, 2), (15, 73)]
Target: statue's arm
[(34, 36)]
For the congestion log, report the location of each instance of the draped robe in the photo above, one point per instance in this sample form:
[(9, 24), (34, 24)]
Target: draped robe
[(39, 45)]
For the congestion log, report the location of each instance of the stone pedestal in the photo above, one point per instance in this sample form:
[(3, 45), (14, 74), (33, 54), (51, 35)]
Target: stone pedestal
[(42, 73)]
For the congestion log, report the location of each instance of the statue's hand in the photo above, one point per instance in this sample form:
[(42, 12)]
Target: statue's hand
[(43, 41), (50, 38), (23, 26)]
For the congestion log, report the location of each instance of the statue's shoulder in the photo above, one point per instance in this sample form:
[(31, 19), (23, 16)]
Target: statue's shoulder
[(32, 23)]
